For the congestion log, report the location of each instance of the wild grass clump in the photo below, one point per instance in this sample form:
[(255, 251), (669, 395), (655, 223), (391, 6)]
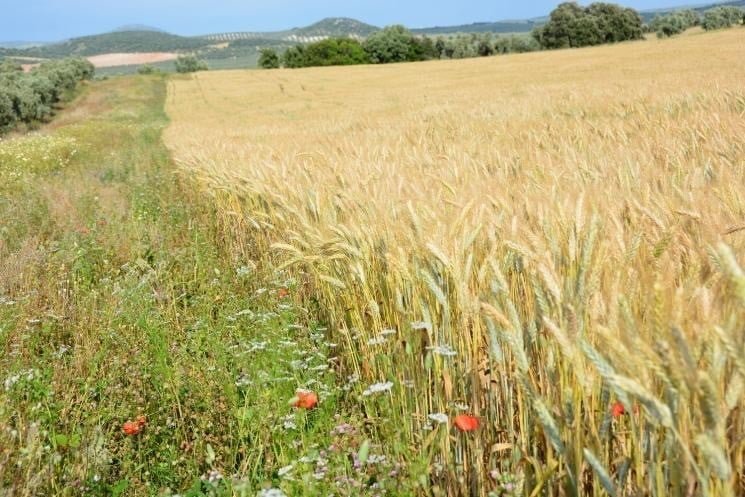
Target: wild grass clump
[(547, 242)]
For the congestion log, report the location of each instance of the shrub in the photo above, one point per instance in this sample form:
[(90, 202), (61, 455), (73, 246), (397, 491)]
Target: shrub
[(268, 59), (190, 63), (146, 69)]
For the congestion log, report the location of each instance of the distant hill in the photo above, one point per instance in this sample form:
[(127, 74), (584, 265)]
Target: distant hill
[(337, 26), (22, 44), (136, 27), (119, 41), (482, 27), (648, 15), (329, 27)]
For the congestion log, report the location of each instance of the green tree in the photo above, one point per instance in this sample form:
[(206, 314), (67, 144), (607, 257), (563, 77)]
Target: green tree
[(571, 25), (335, 52), (615, 23), (722, 17), (268, 59), (390, 44), (10, 65), (29, 97), (7, 113), (423, 48), (673, 23), (190, 63), (294, 57)]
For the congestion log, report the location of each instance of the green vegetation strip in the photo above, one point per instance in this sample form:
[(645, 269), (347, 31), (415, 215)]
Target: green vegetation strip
[(141, 354)]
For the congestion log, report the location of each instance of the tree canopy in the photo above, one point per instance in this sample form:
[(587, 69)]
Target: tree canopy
[(30, 97), (571, 25)]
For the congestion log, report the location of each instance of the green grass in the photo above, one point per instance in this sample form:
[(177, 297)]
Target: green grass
[(120, 296)]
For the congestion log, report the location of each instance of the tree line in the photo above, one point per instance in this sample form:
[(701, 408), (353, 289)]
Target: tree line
[(570, 25), (677, 22), (394, 44), (31, 97)]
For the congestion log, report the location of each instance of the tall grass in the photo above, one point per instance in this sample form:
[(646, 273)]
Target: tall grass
[(549, 235)]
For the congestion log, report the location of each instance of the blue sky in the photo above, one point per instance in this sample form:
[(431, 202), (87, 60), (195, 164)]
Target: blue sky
[(48, 20)]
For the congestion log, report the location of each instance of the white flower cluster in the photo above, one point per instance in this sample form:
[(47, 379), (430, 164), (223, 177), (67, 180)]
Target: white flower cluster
[(378, 388)]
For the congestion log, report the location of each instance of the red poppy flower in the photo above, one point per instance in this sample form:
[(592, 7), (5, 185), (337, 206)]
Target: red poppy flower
[(131, 428), (283, 292), (617, 409), (304, 399), (466, 422)]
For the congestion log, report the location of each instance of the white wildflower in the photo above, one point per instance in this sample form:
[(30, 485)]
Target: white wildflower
[(242, 381), (288, 422), (243, 271), (284, 471), (378, 340), (421, 325), (378, 388), (439, 417), (443, 350), (271, 492)]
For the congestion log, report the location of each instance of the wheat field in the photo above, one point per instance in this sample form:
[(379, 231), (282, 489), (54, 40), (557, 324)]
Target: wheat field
[(552, 242)]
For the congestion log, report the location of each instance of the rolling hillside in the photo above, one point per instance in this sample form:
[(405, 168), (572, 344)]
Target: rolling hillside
[(329, 27), (139, 38), (119, 41)]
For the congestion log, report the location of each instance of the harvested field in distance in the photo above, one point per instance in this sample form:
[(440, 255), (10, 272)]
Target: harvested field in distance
[(547, 241), (130, 59)]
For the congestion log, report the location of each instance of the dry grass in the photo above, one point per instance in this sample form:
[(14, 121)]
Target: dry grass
[(565, 221)]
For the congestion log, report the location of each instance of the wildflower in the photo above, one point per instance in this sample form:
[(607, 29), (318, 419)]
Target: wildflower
[(284, 471), (378, 388), (387, 332), (131, 428), (617, 409), (378, 340), (141, 420), (283, 293), (466, 422), (304, 399), (443, 350), (344, 429), (271, 492), (439, 417), (212, 477), (289, 423), (421, 325)]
